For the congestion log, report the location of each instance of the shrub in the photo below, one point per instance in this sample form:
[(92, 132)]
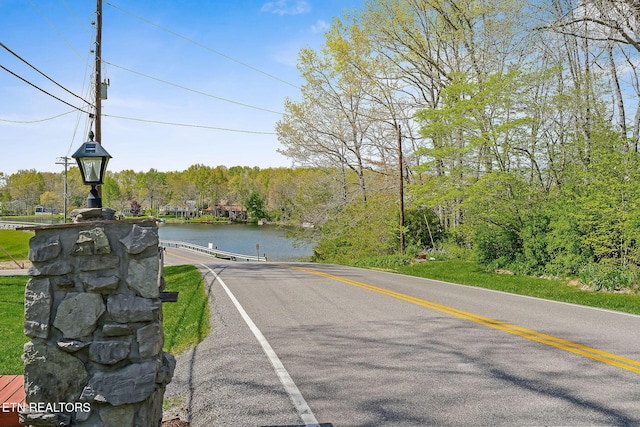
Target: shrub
[(495, 245), (423, 227), (608, 277)]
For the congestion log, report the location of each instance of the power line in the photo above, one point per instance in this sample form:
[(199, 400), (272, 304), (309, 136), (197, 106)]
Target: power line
[(203, 46), (193, 90), (145, 121), (43, 74), (42, 90), (189, 125), (55, 29), (122, 117), (37, 121), (80, 23)]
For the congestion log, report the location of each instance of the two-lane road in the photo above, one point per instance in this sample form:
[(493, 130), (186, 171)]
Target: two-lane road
[(296, 343)]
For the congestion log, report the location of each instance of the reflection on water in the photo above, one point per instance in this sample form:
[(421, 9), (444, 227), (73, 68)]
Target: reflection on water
[(239, 238)]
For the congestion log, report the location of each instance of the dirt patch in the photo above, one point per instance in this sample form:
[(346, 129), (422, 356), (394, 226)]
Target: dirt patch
[(576, 283), (10, 265)]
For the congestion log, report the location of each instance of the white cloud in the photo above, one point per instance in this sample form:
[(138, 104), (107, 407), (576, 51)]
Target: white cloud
[(320, 26), (287, 7)]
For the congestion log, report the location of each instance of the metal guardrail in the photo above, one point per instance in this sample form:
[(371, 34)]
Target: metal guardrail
[(213, 252), (12, 225)]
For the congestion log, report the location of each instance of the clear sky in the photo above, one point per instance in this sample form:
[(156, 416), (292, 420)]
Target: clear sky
[(243, 51)]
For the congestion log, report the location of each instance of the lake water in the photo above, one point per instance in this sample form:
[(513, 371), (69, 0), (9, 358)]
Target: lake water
[(240, 239)]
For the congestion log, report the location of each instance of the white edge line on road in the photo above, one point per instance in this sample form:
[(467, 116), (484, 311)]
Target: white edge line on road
[(300, 404)]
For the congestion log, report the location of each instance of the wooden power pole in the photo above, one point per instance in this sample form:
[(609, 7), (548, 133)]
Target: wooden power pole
[(401, 183), (98, 83), (65, 162)]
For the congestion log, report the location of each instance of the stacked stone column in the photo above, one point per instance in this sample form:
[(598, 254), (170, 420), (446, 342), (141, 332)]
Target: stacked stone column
[(94, 316)]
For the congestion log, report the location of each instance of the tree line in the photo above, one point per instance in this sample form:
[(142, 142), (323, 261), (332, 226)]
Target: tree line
[(518, 122), (273, 193)]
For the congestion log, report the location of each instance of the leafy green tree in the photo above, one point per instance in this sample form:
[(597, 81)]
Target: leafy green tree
[(359, 230), (111, 194), (201, 177), (153, 187), (26, 186), (255, 207), (51, 200), (423, 227)]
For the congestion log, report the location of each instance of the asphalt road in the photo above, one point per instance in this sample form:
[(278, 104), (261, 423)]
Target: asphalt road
[(367, 348)]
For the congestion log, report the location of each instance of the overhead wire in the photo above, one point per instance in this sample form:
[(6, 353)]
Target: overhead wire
[(40, 89), (36, 121), (64, 39), (203, 46), (141, 74), (189, 125), (192, 90), (87, 88), (121, 117), (55, 29), (78, 20), (41, 73)]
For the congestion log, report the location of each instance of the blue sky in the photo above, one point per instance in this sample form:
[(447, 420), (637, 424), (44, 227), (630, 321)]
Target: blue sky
[(212, 47)]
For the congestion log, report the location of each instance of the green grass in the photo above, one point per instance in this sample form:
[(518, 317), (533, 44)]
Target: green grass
[(186, 322), (470, 273), (12, 324), (16, 242)]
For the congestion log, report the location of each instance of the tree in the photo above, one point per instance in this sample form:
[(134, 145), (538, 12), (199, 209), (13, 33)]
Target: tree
[(180, 190), (5, 195), (26, 186), (255, 207), (153, 187), (616, 21), (204, 179), (110, 192), (51, 200), (329, 127), (609, 33)]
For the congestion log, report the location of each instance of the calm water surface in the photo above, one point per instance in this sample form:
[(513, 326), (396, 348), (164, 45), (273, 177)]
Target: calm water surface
[(239, 238)]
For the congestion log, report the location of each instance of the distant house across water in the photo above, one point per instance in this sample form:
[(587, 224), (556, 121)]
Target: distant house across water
[(42, 210)]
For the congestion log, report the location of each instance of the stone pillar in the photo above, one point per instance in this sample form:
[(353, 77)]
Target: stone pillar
[(94, 316)]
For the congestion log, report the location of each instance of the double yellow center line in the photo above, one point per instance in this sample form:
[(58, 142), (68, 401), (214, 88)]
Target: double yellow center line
[(591, 353)]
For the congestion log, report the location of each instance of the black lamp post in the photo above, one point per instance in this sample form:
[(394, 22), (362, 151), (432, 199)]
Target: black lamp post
[(92, 160)]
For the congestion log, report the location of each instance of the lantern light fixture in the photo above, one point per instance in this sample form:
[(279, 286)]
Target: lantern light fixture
[(92, 160)]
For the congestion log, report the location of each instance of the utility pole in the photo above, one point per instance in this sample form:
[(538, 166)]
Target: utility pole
[(65, 161), (401, 182), (98, 82)]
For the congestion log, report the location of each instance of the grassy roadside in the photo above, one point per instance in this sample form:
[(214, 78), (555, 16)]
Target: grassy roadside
[(12, 323), (186, 322), (470, 273), (16, 243)]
